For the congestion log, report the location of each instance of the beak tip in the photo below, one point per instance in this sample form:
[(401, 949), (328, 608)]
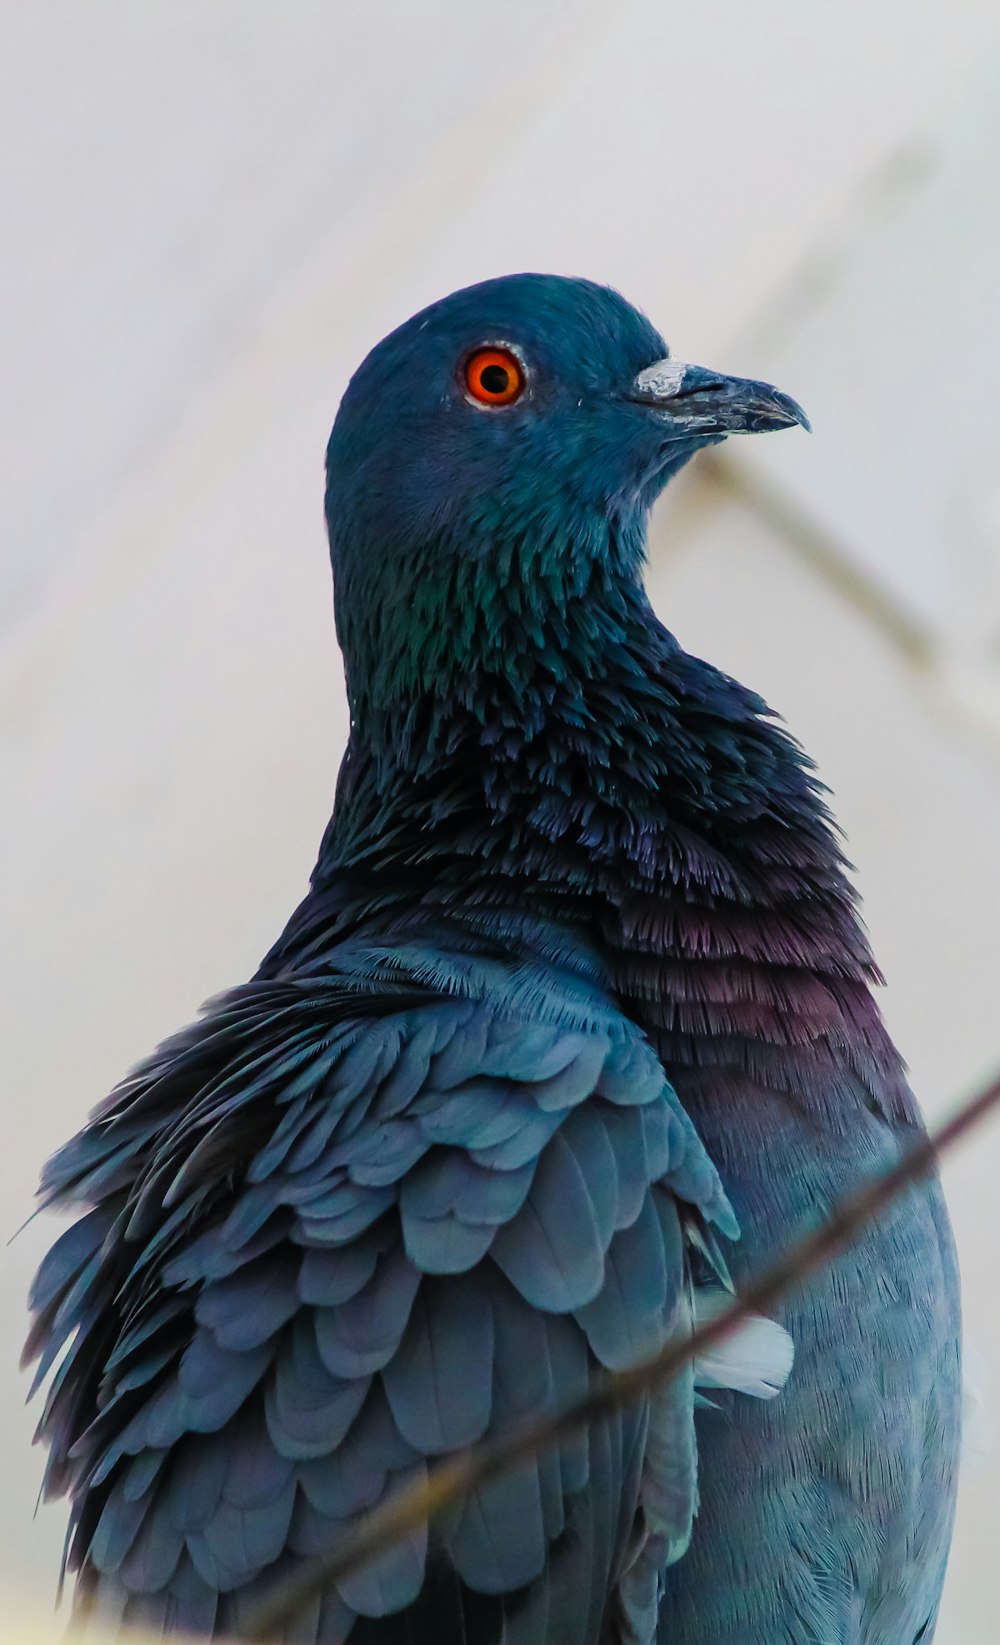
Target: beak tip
[(790, 413)]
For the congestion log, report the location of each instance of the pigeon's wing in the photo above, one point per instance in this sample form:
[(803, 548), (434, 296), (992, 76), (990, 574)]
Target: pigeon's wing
[(329, 1237)]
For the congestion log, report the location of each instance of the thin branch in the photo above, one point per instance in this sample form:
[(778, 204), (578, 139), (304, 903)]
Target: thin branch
[(405, 1510)]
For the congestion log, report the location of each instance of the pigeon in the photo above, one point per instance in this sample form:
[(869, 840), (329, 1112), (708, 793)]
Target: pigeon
[(573, 1030)]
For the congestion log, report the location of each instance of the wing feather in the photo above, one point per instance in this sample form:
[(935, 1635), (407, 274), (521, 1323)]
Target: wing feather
[(392, 1229)]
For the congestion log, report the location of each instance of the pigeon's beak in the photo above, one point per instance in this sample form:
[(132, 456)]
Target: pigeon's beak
[(700, 403)]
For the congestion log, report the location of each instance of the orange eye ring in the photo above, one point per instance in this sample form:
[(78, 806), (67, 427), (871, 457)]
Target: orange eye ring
[(494, 377)]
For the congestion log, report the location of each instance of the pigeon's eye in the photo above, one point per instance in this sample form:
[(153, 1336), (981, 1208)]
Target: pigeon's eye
[(494, 376)]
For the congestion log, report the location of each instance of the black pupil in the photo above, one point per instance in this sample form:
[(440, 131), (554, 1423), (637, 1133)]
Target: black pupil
[(495, 379)]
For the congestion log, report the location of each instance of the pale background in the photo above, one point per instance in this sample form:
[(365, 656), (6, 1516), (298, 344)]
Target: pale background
[(211, 209)]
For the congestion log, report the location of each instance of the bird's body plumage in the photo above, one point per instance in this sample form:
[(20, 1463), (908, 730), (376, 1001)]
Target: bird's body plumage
[(578, 977)]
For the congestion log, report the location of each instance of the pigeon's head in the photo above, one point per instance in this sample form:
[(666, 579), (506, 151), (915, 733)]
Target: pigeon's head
[(514, 432)]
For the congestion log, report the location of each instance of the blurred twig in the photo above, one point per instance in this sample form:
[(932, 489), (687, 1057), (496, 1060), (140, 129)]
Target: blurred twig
[(406, 1509)]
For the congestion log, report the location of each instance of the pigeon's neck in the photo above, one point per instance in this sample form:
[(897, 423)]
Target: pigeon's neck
[(602, 788), (574, 753), (577, 734), (493, 625)]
